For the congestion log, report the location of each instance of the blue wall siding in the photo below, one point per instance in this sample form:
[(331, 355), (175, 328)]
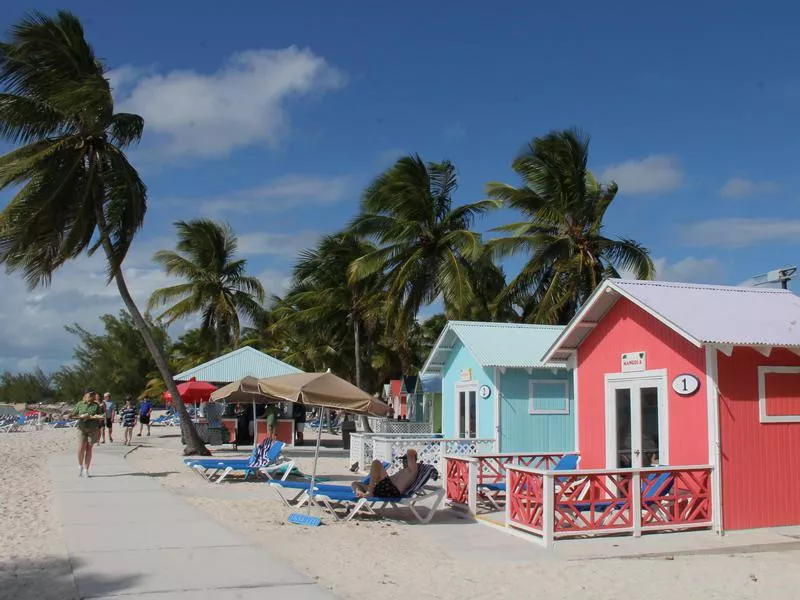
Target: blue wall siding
[(459, 359), (523, 432)]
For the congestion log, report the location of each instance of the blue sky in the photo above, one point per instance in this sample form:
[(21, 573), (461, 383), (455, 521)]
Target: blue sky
[(275, 115)]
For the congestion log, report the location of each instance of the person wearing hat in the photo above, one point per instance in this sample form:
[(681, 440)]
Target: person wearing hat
[(89, 413)]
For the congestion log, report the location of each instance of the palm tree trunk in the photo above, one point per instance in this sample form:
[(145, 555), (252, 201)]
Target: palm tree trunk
[(194, 444), (357, 335)]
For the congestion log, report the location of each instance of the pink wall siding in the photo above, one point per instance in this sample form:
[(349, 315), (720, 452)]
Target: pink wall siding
[(760, 462), (627, 328)]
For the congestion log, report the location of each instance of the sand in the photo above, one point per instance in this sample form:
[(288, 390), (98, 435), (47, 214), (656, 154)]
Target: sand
[(451, 558)]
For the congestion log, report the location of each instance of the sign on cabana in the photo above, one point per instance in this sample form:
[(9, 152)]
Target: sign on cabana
[(466, 374), (634, 361)]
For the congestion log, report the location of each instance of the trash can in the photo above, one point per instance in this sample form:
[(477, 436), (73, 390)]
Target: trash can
[(347, 428)]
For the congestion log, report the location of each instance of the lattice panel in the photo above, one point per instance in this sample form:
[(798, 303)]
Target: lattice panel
[(676, 498), (457, 480), (525, 499), (592, 502)]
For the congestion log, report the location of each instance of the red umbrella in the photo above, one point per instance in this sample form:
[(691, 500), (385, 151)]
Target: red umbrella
[(193, 391)]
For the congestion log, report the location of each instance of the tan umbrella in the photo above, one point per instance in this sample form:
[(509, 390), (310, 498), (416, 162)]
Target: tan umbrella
[(322, 389), (325, 390), (245, 390)]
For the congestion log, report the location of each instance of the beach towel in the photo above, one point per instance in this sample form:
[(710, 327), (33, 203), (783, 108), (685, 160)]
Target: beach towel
[(260, 455)]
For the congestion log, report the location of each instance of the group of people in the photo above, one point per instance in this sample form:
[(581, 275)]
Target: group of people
[(96, 418)]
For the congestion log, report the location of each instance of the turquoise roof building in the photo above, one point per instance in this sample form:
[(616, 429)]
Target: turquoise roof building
[(495, 385), (244, 362)]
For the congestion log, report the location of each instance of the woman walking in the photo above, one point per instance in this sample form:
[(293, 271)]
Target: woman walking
[(89, 413)]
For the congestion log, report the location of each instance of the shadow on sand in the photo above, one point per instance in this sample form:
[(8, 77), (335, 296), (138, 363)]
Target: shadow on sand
[(52, 577)]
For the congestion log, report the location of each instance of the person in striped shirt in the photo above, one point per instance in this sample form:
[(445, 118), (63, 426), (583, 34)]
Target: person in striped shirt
[(127, 417)]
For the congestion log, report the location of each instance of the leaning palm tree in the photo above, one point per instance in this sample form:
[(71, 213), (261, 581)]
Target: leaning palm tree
[(215, 285), (425, 243), (77, 192), (564, 206)]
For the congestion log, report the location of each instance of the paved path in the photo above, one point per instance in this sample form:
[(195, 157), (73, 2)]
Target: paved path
[(127, 536)]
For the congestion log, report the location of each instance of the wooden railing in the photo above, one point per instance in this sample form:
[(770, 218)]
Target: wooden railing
[(560, 504), (466, 473)]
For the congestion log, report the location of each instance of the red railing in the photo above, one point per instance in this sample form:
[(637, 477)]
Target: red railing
[(552, 504), (466, 473)]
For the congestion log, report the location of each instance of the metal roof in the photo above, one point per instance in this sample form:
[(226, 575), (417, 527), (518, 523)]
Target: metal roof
[(235, 365), (720, 315), (512, 345)]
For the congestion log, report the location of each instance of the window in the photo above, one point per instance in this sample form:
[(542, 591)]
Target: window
[(779, 394), (548, 397), (467, 410)]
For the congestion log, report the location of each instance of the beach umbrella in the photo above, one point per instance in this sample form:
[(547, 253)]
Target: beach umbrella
[(192, 392), (242, 391), (327, 391)]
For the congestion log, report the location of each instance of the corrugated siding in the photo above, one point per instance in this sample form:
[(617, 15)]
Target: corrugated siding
[(523, 432), (760, 462), (627, 328), (460, 358), (244, 362), (506, 344)]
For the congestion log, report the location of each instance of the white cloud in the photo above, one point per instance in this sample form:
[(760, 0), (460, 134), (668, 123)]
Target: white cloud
[(738, 187), (275, 282), (243, 103), (740, 232), (281, 244), (655, 173), (689, 269), (284, 193)]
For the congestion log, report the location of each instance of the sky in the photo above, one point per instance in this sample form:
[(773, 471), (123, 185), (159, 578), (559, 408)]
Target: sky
[(274, 116)]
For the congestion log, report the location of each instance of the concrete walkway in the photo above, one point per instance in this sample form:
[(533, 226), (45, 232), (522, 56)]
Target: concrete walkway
[(128, 536)]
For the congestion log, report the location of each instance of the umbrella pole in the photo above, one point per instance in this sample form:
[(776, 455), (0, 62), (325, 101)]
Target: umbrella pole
[(316, 458), (255, 425)]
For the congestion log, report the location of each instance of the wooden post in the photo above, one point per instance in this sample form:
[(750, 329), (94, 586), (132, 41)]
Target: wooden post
[(548, 509), (636, 502), (472, 485)]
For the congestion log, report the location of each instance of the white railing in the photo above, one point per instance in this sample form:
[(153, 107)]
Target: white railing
[(394, 426), (361, 446), (430, 450)]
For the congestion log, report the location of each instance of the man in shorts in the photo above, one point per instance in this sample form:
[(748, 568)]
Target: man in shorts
[(110, 413), (271, 414), (145, 408), (381, 485), (299, 416), (89, 414)]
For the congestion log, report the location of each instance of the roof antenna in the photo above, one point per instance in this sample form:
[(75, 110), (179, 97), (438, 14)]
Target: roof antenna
[(781, 276)]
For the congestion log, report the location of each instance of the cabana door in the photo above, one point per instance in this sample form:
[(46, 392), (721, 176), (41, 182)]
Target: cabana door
[(636, 433)]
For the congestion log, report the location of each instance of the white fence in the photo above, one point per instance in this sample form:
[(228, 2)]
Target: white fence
[(362, 444), (429, 450), (394, 426)]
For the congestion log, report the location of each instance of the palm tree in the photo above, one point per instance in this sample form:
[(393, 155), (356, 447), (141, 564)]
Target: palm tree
[(77, 191), (564, 206), (215, 284), (425, 243)]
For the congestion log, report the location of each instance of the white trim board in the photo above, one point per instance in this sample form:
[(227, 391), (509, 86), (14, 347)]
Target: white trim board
[(763, 371)]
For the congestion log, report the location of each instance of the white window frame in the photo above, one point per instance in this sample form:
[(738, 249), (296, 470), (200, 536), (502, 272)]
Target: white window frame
[(763, 371), (532, 410), (466, 387)]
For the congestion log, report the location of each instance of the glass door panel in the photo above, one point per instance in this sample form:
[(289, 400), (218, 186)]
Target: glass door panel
[(473, 412), (462, 413), (648, 397), (622, 407)]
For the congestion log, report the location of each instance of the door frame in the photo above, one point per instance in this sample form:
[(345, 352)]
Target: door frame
[(656, 378), (466, 387)]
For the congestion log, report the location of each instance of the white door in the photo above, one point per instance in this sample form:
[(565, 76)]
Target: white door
[(636, 422), (467, 410)]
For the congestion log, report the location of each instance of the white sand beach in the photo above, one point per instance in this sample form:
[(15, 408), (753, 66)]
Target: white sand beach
[(379, 559)]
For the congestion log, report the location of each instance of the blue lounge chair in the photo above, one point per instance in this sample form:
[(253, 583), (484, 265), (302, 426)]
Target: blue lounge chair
[(492, 491), (418, 492), (272, 464), (302, 489)]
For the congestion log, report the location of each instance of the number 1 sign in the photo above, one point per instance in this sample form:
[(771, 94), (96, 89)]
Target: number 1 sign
[(685, 384)]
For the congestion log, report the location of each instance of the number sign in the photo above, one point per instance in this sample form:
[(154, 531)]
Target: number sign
[(685, 384)]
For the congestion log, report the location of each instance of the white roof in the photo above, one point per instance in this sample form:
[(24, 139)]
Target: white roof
[(703, 314), (513, 345), (236, 365)]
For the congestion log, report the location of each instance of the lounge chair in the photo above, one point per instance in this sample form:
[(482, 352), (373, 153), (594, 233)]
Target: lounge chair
[(272, 464), (492, 492), (301, 489), (418, 492)]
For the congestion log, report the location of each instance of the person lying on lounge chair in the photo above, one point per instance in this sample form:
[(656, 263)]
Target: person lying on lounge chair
[(381, 485)]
